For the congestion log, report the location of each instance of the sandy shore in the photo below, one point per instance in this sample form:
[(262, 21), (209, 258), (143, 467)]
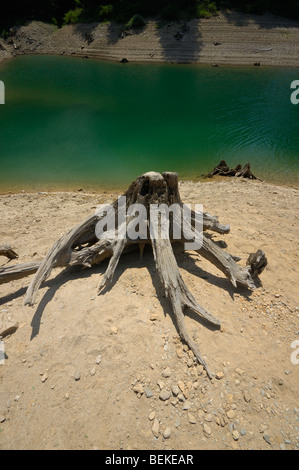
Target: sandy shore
[(229, 38), (125, 341)]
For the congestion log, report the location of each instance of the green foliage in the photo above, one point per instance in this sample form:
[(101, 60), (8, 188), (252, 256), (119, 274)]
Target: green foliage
[(136, 21), (205, 9), (72, 11), (106, 12), (4, 34), (72, 16)]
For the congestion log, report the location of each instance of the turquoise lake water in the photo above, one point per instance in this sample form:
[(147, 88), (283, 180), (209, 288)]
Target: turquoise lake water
[(74, 123)]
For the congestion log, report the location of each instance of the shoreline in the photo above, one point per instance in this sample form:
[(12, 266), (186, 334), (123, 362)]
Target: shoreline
[(122, 187), (229, 38)]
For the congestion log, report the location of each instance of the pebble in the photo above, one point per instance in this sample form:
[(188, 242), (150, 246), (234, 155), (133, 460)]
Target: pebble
[(180, 353), (191, 418), (229, 397), (181, 385), (246, 396), (92, 372), (187, 405), (175, 390), (219, 375), (161, 384), (154, 316), (156, 427), (148, 392), (44, 377), (167, 433), (166, 372), (164, 394), (236, 435), (2, 419), (98, 359), (138, 388), (207, 430), (266, 437), (231, 414), (77, 376), (208, 417), (152, 415)]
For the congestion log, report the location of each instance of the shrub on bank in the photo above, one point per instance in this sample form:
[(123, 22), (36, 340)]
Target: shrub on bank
[(72, 16), (205, 9), (136, 21)]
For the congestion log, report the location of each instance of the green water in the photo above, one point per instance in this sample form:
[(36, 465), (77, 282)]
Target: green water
[(82, 123)]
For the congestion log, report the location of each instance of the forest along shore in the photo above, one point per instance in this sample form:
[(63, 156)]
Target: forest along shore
[(228, 38)]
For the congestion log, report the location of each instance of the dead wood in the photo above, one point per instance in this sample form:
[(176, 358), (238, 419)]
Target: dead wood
[(82, 246), (12, 273), (222, 169), (6, 250)]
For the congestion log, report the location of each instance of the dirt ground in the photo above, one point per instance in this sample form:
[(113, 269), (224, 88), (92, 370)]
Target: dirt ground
[(88, 371), (229, 38)]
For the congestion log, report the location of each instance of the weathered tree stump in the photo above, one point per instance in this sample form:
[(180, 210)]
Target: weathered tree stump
[(222, 169), (82, 247)]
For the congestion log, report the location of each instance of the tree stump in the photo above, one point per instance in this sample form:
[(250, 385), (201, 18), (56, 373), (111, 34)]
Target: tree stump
[(222, 169), (83, 247)]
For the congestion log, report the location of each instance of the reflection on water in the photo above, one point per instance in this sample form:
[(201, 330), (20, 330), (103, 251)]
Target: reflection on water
[(71, 122)]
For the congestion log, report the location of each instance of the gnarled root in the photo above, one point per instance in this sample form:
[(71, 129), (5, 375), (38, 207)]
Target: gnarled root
[(81, 247)]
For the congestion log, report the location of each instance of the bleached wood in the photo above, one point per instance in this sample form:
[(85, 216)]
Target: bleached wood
[(80, 247)]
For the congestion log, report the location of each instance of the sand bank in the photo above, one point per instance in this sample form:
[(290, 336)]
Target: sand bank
[(125, 341)]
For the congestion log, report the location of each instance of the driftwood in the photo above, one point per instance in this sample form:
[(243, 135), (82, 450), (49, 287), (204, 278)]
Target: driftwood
[(6, 250), (222, 169), (81, 247)]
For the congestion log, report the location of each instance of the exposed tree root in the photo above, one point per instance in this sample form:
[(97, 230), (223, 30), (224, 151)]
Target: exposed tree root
[(222, 169), (81, 247)]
